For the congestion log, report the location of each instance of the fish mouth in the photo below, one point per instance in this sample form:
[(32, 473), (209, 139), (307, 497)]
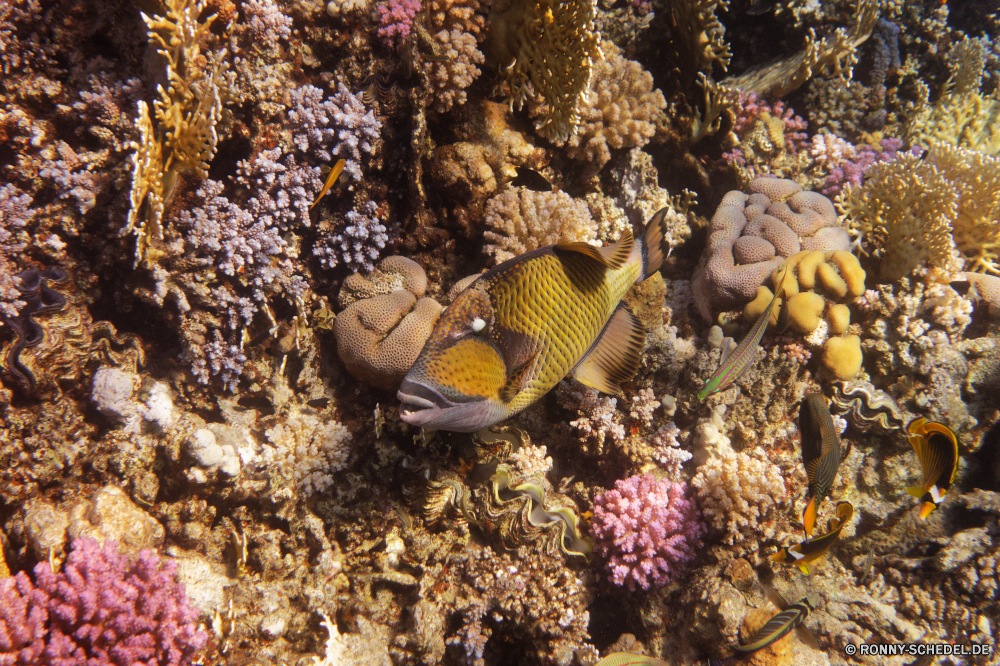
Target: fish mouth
[(419, 400)]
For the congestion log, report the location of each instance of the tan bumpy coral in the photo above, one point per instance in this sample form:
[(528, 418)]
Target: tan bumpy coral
[(386, 322)]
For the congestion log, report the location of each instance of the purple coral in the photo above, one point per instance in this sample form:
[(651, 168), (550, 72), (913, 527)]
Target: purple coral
[(103, 609), (646, 529), (395, 19), (358, 245), (851, 172)]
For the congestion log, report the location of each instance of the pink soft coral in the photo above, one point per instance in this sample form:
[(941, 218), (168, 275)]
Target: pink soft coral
[(646, 530)]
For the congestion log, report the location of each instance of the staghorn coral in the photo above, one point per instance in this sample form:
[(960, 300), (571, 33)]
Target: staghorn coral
[(309, 449), (964, 117), (547, 51), (358, 245), (739, 497), (15, 213), (102, 609), (619, 110), (646, 530), (752, 234), (520, 220), (919, 210)]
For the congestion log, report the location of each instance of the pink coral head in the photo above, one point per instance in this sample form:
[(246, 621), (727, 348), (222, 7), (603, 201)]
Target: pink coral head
[(646, 529)]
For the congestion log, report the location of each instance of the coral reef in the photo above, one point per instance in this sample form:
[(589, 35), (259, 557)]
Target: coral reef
[(519, 220)]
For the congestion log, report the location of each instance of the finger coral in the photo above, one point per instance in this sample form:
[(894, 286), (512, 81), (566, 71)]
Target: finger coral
[(454, 27), (751, 235), (520, 220), (738, 495), (646, 529), (103, 609)]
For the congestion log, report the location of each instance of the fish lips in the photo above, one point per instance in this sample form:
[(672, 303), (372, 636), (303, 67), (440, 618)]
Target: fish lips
[(422, 405)]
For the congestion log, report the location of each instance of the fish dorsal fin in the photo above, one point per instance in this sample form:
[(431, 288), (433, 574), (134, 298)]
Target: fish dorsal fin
[(517, 378), (613, 256), (614, 357)]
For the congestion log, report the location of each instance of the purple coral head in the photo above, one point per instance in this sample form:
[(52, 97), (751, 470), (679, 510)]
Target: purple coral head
[(102, 609), (646, 529), (395, 19)]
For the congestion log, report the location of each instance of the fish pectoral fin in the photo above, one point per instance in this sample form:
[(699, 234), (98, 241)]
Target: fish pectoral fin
[(728, 345), (517, 378), (807, 637), (916, 491), (614, 357), (613, 256)]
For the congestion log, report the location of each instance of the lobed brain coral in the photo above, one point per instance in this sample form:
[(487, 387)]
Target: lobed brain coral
[(751, 235)]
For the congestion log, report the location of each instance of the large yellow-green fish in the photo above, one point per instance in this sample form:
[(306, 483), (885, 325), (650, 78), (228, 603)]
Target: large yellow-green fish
[(520, 328)]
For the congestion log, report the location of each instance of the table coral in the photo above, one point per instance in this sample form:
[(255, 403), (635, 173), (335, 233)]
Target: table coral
[(646, 529), (751, 234)]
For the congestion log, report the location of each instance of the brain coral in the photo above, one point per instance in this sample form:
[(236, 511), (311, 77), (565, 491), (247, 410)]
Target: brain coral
[(751, 235), (521, 220), (386, 322)]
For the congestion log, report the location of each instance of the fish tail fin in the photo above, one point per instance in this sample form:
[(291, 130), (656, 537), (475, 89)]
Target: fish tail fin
[(654, 243), (916, 491), (809, 517)]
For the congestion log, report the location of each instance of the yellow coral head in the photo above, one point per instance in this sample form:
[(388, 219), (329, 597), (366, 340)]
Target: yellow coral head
[(456, 382)]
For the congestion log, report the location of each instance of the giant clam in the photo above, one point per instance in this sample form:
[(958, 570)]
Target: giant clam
[(866, 407), (55, 340)]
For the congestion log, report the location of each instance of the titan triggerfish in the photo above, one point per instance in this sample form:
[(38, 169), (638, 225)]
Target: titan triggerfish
[(521, 327)]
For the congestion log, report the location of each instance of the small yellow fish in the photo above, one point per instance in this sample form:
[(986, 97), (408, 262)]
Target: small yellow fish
[(801, 554), (520, 328), (331, 178), (937, 449)]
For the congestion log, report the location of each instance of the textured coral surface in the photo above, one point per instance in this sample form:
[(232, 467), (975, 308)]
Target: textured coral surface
[(228, 227)]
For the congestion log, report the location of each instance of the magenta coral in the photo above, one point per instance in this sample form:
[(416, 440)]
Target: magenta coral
[(396, 20), (852, 172), (103, 609), (646, 529)]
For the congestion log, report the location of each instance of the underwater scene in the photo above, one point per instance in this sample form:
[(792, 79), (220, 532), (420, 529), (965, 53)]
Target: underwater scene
[(499, 332)]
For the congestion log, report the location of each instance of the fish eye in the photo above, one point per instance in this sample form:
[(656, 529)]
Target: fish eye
[(478, 324)]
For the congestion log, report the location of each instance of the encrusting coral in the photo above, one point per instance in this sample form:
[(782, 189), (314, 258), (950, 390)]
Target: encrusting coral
[(386, 321)]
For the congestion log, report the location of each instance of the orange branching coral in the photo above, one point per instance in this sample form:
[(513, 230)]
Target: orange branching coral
[(620, 111), (187, 112), (455, 27), (547, 50)]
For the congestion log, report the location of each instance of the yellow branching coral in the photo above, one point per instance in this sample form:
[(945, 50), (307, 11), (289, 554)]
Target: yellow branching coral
[(186, 112), (964, 116), (695, 23), (915, 210), (833, 55), (546, 50)]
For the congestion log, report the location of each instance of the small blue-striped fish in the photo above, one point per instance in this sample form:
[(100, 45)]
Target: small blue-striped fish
[(802, 554), (937, 450), (821, 453), (778, 626), (734, 365)]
